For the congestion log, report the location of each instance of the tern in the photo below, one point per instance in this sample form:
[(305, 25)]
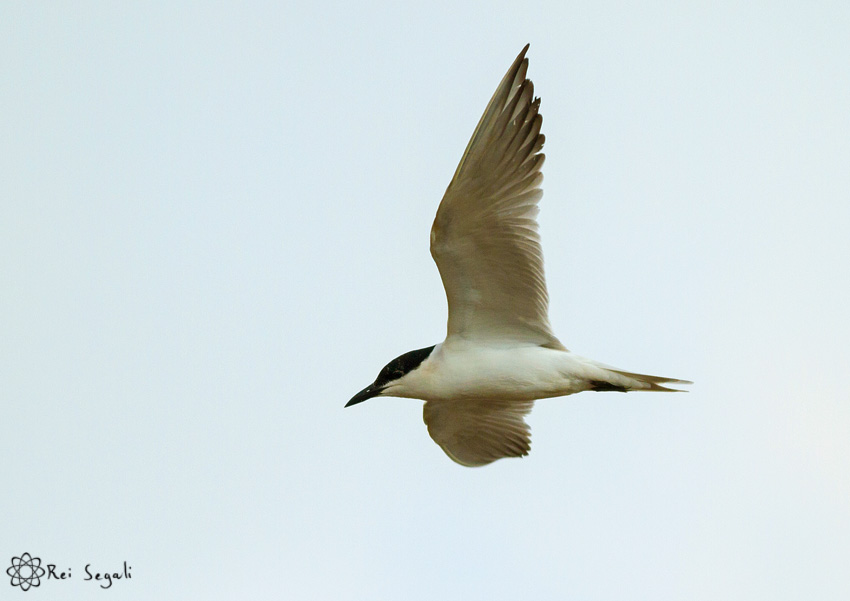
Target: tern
[(500, 354)]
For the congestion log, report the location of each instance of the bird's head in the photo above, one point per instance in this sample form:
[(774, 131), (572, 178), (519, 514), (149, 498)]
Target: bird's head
[(389, 379)]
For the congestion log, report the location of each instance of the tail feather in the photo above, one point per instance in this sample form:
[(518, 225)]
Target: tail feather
[(625, 381)]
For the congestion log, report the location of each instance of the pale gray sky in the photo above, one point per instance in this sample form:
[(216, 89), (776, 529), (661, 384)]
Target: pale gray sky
[(215, 231)]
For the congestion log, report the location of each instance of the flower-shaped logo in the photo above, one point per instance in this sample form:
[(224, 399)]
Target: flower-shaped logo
[(26, 571)]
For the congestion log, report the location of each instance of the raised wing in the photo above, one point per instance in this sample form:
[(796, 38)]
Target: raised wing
[(484, 238), (475, 433)]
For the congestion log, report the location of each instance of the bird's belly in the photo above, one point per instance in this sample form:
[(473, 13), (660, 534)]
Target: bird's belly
[(521, 374)]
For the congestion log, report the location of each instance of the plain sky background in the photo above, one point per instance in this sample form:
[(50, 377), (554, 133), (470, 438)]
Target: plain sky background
[(214, 232)]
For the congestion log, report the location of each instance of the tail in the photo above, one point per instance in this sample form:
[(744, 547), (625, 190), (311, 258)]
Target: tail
[(625, 381)]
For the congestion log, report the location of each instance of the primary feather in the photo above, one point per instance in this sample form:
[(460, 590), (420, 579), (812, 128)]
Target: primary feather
[(484, 238)]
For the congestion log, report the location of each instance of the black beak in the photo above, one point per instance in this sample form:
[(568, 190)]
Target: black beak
[(367, 393)]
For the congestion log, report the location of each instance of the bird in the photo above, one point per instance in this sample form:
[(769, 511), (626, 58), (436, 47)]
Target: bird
[(499, 354)]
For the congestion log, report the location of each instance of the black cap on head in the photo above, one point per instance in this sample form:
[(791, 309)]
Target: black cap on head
[(393, 370)]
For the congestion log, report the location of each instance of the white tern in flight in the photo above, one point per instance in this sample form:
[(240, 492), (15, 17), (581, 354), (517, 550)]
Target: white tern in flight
[(500, 354)]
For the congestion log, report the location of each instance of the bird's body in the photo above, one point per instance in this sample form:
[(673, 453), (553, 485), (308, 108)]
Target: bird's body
[(499, 354), (459, 369)]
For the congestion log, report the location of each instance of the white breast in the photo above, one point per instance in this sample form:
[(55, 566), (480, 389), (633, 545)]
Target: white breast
[(459, 369)]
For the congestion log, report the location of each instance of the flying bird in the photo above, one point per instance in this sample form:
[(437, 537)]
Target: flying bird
[(500, 354)]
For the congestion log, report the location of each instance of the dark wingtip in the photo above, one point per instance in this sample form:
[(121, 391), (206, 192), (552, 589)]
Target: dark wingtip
[(521, 56)]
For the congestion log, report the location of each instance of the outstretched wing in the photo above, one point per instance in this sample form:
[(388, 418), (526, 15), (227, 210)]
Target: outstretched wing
[(475, 433), (484, 238)]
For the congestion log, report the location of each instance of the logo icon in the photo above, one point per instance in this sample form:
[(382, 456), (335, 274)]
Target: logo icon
[(26, 571)]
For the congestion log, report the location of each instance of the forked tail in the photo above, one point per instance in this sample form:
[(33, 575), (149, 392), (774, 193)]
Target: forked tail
[(625, 381)]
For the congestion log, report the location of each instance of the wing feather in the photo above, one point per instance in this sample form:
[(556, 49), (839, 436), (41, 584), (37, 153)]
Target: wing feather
[(485, 237), (475, 433)]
